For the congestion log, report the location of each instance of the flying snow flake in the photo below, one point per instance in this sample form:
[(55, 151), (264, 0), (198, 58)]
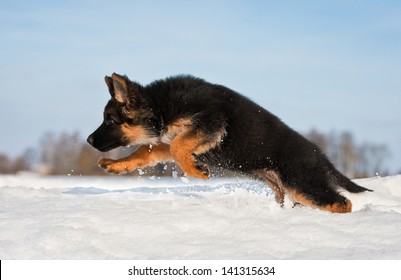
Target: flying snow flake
[(185, 180)]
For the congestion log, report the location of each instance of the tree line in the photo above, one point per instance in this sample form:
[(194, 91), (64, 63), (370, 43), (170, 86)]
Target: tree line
[(69, 154), (351, 158)]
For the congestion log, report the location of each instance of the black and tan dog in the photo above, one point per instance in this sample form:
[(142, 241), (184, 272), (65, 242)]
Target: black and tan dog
[(198, 124)]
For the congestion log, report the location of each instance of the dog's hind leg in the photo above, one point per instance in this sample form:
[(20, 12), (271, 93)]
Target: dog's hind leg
[(325, 199), (144, 156), (273, 181), (323, 196)]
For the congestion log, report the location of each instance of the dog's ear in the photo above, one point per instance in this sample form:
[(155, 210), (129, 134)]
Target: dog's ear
[(109, 83), (120, 88)]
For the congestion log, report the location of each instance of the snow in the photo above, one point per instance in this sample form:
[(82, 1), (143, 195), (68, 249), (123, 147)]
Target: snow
[(172, 218)]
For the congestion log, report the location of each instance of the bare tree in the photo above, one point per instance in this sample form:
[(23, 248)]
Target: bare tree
[(347, 152), (351, 158), (5, 164)]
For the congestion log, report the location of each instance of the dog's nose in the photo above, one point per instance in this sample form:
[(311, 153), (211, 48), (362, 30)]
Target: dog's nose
[(90, 139)]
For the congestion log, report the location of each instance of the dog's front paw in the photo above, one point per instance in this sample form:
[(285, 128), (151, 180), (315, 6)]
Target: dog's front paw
[(198, 170), (204, 168), (112, 166), (105, 162)]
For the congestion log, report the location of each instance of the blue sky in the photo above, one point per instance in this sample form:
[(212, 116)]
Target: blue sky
[(329, 65)]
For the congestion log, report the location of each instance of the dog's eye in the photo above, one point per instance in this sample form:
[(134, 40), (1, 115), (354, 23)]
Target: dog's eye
[(110, 122)]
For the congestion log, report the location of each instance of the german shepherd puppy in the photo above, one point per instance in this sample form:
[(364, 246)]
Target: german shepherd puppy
[(198, 124)]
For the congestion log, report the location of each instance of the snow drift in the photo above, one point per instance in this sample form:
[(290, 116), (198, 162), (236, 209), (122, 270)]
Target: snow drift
[(137, 218)]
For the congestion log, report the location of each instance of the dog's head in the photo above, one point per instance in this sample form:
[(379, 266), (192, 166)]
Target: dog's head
[(127, 118)]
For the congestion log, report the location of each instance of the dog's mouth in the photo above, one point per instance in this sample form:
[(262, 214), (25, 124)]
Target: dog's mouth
[(108, 147), (102, 147)]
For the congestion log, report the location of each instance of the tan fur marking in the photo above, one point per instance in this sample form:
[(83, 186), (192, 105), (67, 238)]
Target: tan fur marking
[(209, 142), (175, 128), (300, 198), (334, 208), (185, 143), (182, 148), (339, 208), (137, 134), (141, 158)]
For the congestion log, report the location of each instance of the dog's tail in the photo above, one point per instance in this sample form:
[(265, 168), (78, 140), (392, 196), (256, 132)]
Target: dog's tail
[(340, 180)]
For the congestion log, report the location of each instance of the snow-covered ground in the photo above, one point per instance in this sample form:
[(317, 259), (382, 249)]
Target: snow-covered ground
[(141, 218)]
